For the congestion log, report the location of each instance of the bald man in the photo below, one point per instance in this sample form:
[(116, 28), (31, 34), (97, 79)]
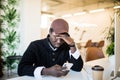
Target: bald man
[(47, 56)]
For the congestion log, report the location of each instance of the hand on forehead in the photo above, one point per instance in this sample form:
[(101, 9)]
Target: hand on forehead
[(62, 35)]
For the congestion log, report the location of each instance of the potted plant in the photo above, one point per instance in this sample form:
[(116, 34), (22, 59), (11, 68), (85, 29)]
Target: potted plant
[(9, 24), (1, 61), (110, 37), (110, 49)]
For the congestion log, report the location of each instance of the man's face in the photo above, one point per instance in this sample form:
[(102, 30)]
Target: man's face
[(56, 39)]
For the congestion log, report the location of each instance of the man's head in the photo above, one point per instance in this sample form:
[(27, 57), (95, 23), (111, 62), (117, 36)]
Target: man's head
[(58, 28)]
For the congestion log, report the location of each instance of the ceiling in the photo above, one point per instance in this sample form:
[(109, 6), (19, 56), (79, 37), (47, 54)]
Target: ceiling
[(60, 7)]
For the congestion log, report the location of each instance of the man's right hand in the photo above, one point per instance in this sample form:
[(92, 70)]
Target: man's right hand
[(55, 70)]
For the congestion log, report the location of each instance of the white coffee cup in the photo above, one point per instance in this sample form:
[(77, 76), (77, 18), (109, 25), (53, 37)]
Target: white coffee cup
[(97, 72)]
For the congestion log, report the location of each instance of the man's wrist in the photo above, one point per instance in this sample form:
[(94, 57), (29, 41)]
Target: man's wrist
[(44, 71), (72, 45), (37, 72)]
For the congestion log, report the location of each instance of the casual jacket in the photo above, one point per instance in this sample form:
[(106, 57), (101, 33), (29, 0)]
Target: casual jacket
[(39, 53)]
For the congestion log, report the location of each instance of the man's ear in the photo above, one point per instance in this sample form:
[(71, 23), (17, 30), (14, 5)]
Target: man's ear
[(51, 30)]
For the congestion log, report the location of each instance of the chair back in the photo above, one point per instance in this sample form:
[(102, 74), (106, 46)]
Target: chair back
[(93, 53)]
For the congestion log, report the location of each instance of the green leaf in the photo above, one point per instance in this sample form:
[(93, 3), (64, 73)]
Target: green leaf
[(110, 49)]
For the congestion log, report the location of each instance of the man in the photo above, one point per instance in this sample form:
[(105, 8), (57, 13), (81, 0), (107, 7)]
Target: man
[(47, 56)]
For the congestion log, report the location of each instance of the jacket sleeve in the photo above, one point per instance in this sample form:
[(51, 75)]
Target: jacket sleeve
[(77, 63), (76, 59), (26, 65)]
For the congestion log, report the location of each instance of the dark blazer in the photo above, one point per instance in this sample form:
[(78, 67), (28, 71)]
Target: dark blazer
[(39, 53)]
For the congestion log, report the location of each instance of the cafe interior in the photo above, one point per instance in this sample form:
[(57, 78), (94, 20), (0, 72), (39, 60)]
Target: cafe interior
[(92, 25)]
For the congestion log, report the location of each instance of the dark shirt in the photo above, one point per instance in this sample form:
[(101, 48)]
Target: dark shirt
[(39, 53)]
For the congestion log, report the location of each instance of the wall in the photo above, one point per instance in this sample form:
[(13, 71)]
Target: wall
[(117, 44), (30, 22), (94, 25)]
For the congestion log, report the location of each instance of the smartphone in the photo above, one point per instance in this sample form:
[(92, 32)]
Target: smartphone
[(67, 66)]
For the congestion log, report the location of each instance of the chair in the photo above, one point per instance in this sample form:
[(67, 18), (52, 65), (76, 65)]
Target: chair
[(101, 44), (88, 44), (93, 53)]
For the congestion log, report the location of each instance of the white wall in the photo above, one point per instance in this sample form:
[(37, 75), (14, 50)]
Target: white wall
[(117, 43), (30, 22), (96, 26)]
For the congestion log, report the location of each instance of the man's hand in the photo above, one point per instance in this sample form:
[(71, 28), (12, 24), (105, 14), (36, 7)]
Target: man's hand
[(70, 42), (55, 70), (67, 39)]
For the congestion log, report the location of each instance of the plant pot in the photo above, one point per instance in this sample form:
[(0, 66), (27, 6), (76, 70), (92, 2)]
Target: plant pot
[(112, 59), (1, 73), (1, 67)]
